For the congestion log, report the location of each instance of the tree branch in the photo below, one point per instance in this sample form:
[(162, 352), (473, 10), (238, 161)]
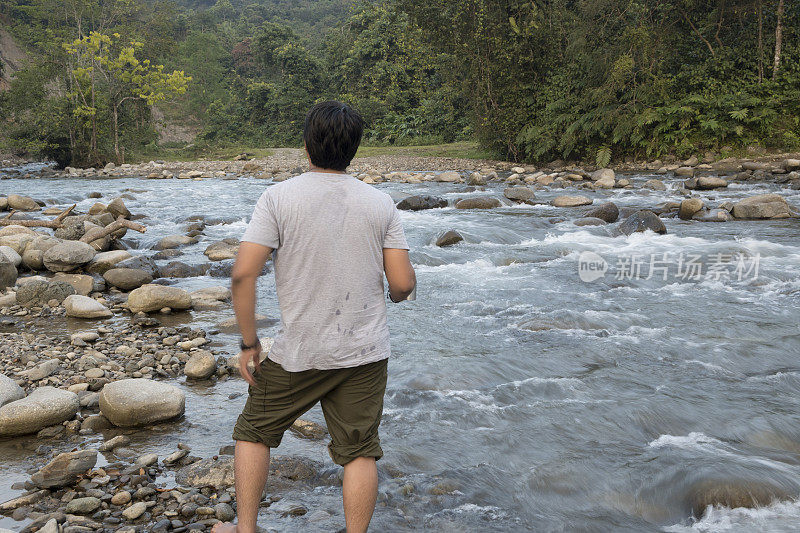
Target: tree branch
[(120, 223), (695, 30)]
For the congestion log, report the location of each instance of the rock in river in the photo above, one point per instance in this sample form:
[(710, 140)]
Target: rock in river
[(420, 202), (127, 279), (733, 494), (449, 238), (642, 221), (480, 202), (223, 250), (68, 255), (84, 307), (138, 402), (201, 365), (45, 406), (9, 390), (520, 194), (689, 207), (149, 298), (762, 206), (571, 201), (589, 221), (707, 183), (22, 203)]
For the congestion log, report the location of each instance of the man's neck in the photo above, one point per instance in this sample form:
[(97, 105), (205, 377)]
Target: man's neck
[(326, 170)]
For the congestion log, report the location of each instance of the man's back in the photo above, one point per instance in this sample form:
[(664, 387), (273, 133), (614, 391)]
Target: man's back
[(328, 231)]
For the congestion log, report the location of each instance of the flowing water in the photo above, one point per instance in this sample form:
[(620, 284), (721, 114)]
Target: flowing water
[(520, 397)]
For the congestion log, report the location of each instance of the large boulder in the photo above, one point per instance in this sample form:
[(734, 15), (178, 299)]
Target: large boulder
[(479, 202), (45, 406), (68, 255), (138, 402), (127, 279), (8, 273), (449, 238), (421, 202), (223, 250), (9, 390), (201, 365), (608, 212), (38, 293), (150, 298), (107, 260), (520, 194), (78, 306), (65, 469), (22, 203), (642, 221), (762, 206), (571, 201)]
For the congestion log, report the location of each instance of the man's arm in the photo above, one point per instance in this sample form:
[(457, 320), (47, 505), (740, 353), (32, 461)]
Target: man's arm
[(250, 262), (399, 273)]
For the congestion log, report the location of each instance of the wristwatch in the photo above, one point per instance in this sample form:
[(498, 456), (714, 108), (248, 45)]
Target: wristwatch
[(389, 295), (244, 347)]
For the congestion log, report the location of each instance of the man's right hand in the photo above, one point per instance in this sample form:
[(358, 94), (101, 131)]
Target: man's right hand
[(245, 358)]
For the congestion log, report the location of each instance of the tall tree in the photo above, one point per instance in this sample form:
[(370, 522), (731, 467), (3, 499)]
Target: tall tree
[(778, 41)]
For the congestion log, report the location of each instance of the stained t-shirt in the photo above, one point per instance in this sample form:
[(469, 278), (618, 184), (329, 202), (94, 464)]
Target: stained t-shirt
[(328, 232)]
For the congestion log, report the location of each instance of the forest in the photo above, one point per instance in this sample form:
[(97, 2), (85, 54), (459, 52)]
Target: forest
[(590, 80)]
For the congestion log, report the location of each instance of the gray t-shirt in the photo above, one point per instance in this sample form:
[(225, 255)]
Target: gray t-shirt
[(328, 232)]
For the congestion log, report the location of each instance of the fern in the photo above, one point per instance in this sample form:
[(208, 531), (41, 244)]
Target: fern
[(603, 157)]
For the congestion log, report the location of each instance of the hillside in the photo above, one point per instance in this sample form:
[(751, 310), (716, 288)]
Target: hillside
[(12, 58)]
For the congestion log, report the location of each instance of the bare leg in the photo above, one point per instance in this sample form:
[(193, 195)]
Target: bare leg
[(360, 491), (251, 466)]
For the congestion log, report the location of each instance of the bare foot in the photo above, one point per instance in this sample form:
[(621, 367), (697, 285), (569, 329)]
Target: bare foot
[(225, 527)]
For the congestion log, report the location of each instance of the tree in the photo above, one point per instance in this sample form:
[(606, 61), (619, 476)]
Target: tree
[(101, 62), (778, 41)]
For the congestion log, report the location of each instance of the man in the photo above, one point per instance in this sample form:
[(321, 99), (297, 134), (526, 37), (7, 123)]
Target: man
[(332, 238)]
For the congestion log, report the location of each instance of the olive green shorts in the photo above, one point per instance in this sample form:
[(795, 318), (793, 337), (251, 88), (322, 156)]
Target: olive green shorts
[(351, 399)]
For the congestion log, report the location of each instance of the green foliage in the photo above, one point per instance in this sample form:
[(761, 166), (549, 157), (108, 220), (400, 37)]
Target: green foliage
[(528, 79)]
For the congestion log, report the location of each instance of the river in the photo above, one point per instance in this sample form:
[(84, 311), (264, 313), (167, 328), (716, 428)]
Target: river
[(520, 397)]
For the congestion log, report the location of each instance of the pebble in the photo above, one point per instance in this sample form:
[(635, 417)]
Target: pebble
[(121, 498), (135, 511)]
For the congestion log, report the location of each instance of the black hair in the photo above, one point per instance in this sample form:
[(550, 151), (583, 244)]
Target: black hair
[(332, 133)]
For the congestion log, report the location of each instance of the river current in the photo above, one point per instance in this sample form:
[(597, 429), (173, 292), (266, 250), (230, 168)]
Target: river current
[(520, 397)]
